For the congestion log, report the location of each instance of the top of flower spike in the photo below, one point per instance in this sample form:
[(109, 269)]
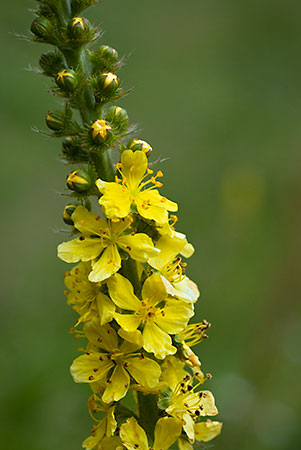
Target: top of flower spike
[(118, 196)]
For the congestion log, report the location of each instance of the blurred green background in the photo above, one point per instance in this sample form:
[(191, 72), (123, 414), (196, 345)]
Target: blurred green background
[(217, 91)]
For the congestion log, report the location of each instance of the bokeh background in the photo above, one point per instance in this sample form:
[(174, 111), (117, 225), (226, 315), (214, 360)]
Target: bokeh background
[(217, 92)]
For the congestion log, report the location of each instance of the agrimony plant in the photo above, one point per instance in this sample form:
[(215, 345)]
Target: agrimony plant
[(129, 286)]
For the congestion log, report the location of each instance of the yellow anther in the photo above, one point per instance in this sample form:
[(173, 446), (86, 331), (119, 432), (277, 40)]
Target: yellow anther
[(159, 173)]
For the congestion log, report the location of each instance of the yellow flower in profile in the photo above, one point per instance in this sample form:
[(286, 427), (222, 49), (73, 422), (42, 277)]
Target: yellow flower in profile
[(105, 356), (99, 243), (85, 297), (159, 315), (167, 431), (188, 405), (105, 427), (119, 196)]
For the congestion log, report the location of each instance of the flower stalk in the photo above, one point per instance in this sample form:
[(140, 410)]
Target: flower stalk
[(129, 285)]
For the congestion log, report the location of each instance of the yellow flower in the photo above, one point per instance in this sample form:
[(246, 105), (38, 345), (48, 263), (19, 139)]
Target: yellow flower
[(167, 431), (99, 243), (118, 196), (204, 432), (105, 428), (87, 299), (104, 355), (159, 315), (188, 405)]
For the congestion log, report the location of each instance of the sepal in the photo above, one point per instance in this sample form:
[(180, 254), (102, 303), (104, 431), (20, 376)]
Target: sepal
[(73, 151), (118, 117)]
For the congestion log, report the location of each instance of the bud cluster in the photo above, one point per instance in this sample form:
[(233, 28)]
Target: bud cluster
[(129, 286)]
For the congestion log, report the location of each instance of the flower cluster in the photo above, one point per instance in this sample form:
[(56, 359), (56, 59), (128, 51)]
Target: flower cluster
[(129, 286)]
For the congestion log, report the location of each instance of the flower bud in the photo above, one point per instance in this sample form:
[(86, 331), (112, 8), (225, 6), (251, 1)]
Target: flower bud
[(78, 27), (73, 151), (68, 211), (55, 120), (41, 27), (101, 131), (66, 80), (51, 63), (79, 181), (117, 116), (138, 144), (108, 83), (108, 53)]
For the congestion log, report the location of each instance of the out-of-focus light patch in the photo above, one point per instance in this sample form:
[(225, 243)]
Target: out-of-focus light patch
[(276, 425), (242, 192), (236, 396), (291, 338)]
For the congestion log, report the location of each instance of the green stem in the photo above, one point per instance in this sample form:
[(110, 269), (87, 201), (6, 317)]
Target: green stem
[(148, 413), (104, 165), (130, 271)]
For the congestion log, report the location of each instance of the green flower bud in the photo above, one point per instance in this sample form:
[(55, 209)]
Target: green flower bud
[(79, 181), (138, 144), (104, 59), (101, 131), (51, 63), (78, 27), (66, 80), (117, 116), (55, 120), (108, 53), (68, 211), (108, 83), (73, 151), (41, 27)]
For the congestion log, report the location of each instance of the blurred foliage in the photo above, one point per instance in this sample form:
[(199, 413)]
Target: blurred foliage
[(217, 91)]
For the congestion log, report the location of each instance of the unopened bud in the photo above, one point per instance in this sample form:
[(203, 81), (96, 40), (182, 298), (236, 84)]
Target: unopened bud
[(108, 83), (138, 144), (55, 120), (41, 27), (51, 63), (79, 181), (73, 151), (101, 131), (66, 80), (78, 27), (68, 211), (108, 53), (117, 116)]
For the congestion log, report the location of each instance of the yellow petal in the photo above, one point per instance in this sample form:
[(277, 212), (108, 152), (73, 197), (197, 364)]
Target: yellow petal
[(152, 206), (205, 431), (157, 341), (167, 431), (103, 337), (81, 248), (111, 424), (116, 200), (188, 250), (106, 308), (170, 246), (134, 337), (128, 322), (154, 289), (86, 222), (186, 290), (122, 293), (89, 368), (119, 226), (139, 246), (174, 316), (132, 435), (145, 371), (208, 404), (188, 426), (173, 371), (134, 165), (117, 386), (108, 263)]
